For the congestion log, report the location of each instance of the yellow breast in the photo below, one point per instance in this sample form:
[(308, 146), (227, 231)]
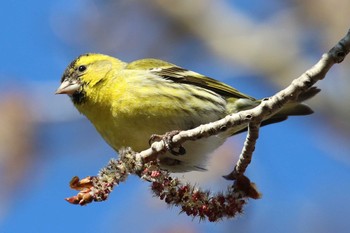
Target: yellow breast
[(126, 112)]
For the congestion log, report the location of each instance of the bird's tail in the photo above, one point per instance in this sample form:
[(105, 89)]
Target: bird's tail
[(296, 108)]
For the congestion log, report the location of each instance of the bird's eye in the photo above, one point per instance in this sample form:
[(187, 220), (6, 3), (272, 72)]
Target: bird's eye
[(82, 68)]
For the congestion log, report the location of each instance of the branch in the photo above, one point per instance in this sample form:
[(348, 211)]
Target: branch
[(194, 201)]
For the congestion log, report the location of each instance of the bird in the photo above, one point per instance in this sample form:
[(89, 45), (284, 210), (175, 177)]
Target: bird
[(129, 102)]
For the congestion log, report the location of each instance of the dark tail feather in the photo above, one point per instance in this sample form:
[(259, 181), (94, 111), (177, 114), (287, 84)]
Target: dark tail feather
[(309, 94), (291, 109), (297, 108), (267, 122)]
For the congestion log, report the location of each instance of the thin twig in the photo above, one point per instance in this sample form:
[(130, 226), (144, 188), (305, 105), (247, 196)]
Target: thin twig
[(247, 152)]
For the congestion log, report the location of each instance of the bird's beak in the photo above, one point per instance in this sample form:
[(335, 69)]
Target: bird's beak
[(68, 87)]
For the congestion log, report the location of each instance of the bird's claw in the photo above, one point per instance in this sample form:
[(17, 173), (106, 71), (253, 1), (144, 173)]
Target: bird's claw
[(167, 138)]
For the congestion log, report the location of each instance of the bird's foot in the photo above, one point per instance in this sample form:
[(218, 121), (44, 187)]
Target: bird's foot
[(167, 138)]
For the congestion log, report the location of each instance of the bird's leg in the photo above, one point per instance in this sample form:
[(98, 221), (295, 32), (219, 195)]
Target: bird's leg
[(167, 138)]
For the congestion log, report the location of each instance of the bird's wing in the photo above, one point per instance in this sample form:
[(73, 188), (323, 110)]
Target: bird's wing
[(180, 75)]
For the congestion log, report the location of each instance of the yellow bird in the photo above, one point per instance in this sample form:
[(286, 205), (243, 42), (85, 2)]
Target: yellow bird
[(128, 102)]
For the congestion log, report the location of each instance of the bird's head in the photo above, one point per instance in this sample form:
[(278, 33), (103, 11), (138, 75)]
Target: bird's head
[(86, 72)]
